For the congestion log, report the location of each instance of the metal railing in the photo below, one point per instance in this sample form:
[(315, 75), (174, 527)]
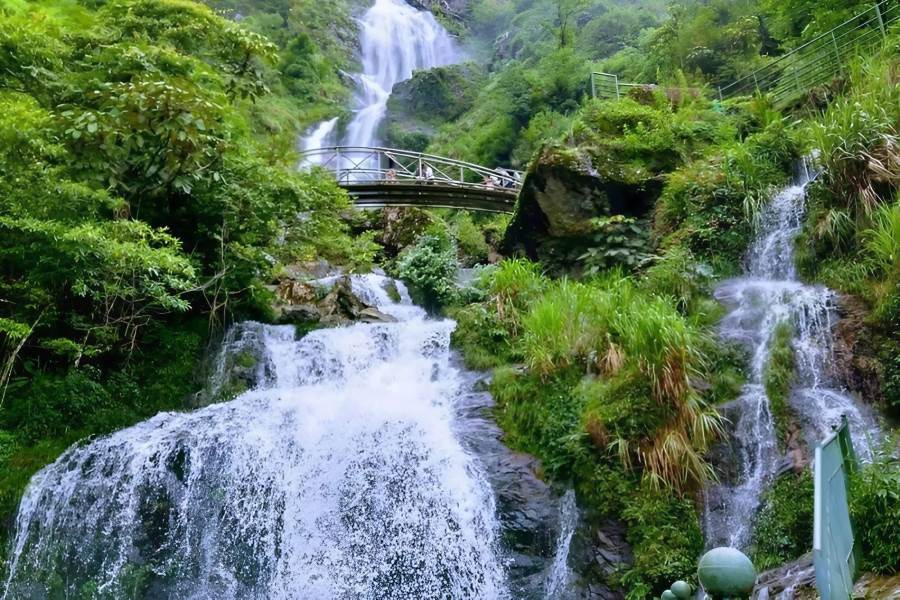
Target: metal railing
[(834, 549), (357, 165), (819, 60), (790, 76), (607, 86)]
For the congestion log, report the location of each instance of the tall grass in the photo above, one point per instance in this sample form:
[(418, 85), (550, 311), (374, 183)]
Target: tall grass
[(645, 354), (882, 241), (858, 138)]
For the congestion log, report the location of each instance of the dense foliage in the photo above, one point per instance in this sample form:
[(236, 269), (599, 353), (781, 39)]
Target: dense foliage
[(137, 201)]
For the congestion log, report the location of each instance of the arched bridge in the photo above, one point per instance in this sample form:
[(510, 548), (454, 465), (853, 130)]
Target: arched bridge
[(377, 177)]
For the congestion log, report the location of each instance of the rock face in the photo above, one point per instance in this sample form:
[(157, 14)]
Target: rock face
[(561, 193), (420, 105), (453, 9), (791, 580), (302, 305)]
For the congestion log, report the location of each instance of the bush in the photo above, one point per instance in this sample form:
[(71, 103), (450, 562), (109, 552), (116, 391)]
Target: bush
[(784, 527), (875, 511), (430, 267), (778, 377)]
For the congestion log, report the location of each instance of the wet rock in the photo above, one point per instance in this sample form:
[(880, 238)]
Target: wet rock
[(561, 193), (373, 315), (341, 305), (856, 362), (300, 314), (401, 226), (793, 577), (419, 106)]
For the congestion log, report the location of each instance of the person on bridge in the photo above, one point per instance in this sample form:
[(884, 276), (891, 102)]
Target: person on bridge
[(429, 174), (392, 175)]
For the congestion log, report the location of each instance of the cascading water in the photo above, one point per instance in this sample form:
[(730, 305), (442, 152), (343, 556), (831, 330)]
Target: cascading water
[(346, 473), (320, 136), (395, 40), (771, 294)]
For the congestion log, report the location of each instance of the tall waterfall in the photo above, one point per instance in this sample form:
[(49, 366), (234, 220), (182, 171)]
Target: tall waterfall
[(395, 40), (768, 295), (340, 476)]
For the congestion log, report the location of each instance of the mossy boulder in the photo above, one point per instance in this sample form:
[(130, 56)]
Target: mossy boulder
[(420, 105), (561, 194)]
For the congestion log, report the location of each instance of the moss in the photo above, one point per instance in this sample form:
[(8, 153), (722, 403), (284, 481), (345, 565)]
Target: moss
[(784, 528), (778, 378)]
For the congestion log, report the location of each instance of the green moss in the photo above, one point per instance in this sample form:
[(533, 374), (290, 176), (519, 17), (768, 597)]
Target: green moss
[(784, 528), (778, 377)]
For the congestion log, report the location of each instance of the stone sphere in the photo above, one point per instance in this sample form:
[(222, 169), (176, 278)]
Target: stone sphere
[(682, 590), (726, 572), (668, 595)]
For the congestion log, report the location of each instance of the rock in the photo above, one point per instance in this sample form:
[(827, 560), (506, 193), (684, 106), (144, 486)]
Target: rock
[(793, 577), (401, 226), (300, 314), (419, 106), (341, 305), (291, 291), (856, 362), (561, 193), (373, 315)]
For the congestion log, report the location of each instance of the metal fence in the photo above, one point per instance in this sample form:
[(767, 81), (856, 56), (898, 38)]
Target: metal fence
[(788, 77), (819, 60), (834, 551)]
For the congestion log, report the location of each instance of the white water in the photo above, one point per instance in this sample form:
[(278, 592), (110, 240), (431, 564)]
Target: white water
[(395, 40), (768, 295), (319, 136), (560, 577), (340, 476)]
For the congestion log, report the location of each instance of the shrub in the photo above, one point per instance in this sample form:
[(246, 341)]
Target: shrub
[(784, 528), (470, 239), (779, 375), (875, 510), (430, 268)]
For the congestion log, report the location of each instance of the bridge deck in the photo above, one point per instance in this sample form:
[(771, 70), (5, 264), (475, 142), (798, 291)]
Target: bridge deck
[(377, 177)]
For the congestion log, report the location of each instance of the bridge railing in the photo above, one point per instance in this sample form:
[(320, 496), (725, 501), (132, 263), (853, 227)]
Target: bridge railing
[(354, 165)]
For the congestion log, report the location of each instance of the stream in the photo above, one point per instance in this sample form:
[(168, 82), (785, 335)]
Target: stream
[(363, 464), (769, 294)]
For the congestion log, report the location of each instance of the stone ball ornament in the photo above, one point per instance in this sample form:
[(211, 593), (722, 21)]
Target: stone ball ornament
[(726, 573), (682, 590)]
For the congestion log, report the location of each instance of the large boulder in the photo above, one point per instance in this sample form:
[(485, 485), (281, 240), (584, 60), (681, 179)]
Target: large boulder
[(419, 106), (562, 192), (302, 304)]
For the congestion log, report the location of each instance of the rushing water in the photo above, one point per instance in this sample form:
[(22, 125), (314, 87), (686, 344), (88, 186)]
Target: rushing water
[(348, 472), (768, 295), (395, 40)]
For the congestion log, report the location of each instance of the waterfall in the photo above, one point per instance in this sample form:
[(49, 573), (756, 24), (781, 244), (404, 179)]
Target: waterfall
[(319, 136), (339, 475), (361, 464), (559, 579), (768, 295), (395, 40)]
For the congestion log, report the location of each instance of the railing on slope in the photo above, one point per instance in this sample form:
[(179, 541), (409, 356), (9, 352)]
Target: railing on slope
[(357, 165), (793, 74), (834, 549), (819, 60)]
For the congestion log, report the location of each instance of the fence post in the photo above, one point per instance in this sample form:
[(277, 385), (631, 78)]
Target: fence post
[(880, 20), (618, 95), (756, 83), (720, 93), (594, 86)]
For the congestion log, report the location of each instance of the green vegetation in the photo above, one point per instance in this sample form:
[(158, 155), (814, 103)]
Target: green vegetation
[(141, 206), (605, 398), (851, 239), (875, 510), (778, 377), (784, 528)]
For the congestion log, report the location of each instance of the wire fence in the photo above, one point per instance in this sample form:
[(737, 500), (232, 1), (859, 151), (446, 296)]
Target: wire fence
[(792, 75), (819, 60)]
